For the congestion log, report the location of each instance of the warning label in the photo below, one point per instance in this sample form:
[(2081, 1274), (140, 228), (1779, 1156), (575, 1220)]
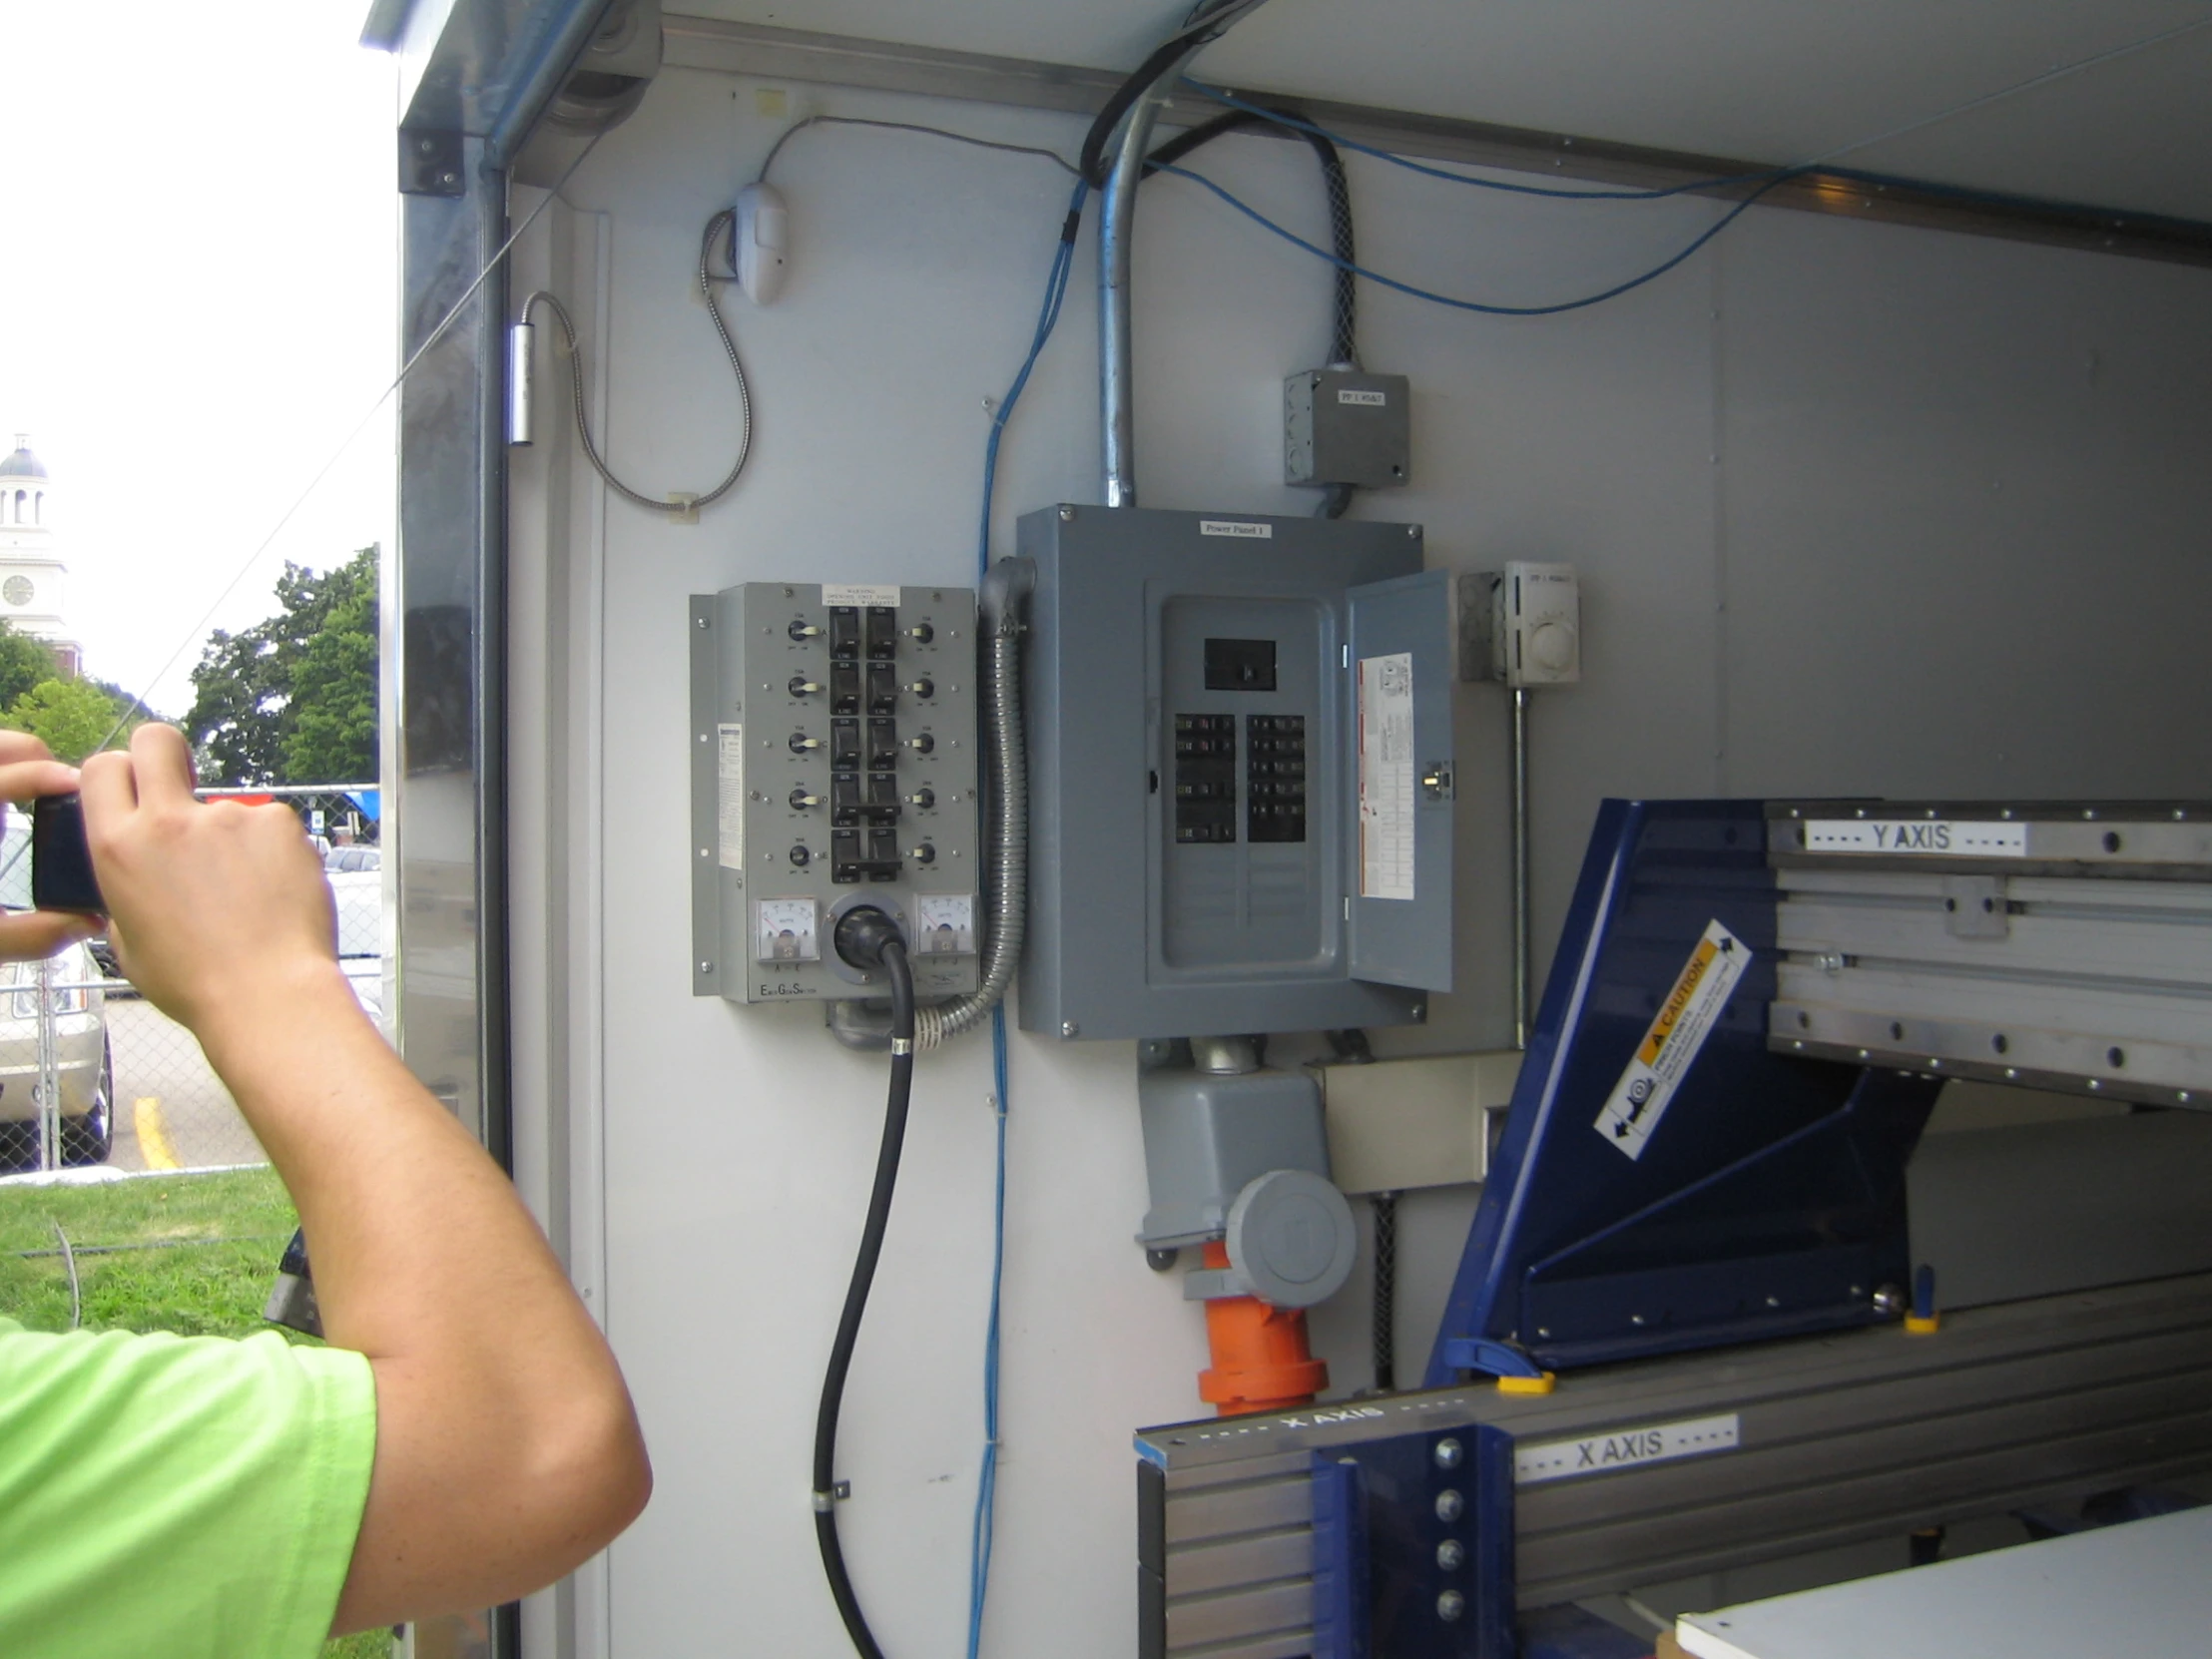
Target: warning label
[(1386, 776), (1670, 1047)]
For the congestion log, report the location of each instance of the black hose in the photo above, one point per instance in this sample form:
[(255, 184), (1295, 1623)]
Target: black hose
[(890, 952)]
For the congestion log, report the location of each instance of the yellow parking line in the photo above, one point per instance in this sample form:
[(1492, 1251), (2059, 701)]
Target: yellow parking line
[(153, 1134)]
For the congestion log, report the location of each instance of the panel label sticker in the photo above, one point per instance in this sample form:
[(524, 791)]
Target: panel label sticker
[(1363, 399), (730, 795), (1932, 838), (1386, 776), (1624, 1448), (858, 593), (1678, 1031), (1243, 529)]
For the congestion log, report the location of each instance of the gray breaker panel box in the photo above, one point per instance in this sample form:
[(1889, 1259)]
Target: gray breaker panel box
[(834, 765), (1200, 863)]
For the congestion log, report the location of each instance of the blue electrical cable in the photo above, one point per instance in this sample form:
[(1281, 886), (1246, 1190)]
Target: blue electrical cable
[(1298, 124), (986, 1485), (1658, 271)]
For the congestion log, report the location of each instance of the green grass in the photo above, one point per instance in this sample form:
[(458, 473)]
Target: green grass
[(215, 1241)]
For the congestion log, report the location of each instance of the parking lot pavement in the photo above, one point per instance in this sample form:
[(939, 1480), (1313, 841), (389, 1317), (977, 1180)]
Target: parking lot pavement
[(193, 1123)]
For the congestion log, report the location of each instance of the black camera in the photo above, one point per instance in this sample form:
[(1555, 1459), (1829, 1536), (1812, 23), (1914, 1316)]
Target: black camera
[(62, 877)]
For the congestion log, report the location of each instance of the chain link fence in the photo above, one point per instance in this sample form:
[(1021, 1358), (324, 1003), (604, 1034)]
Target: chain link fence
[(91, 1073)]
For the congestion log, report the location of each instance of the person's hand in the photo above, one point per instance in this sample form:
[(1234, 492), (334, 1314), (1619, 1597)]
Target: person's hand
[(213, 906), (28, 770)]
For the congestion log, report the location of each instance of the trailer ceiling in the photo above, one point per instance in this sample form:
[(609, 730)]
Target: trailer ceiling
[(1764, 80)]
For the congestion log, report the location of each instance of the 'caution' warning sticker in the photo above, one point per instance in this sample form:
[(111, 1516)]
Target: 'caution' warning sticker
[(1669, 1048)]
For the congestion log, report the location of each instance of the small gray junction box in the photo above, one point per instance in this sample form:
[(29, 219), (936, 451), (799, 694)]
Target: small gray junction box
[(834, 765), (1344, 426), (1240, 773)]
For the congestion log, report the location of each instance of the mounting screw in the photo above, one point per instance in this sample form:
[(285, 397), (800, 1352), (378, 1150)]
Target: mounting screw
[(425, 145), (450, 178), (702, 622), (1413, 531), (1450, 1504), (1159, 1261), (1068, 1028), (1452, 1555), (1450, 1606), (1448, 1453), (1889, 1301), (706, 967), (1067, 515)]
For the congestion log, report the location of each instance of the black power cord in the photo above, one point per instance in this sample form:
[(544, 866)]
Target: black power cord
[(867, 939)]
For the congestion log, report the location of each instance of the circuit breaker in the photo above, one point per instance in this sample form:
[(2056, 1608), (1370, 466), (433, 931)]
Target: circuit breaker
[(834, 765), (1240, 773)]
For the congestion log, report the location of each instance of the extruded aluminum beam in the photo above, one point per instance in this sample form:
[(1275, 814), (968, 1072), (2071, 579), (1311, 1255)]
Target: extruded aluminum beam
[(2064, 946), (1829, 1440)]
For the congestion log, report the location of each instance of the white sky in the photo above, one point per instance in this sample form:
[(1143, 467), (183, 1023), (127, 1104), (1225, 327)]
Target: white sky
[(198, 293)]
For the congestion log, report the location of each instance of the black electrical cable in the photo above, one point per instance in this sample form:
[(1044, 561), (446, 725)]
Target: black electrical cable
[(1385, 1293), (1091, 162), (867, 938), (1343, 344), (1343, 337)]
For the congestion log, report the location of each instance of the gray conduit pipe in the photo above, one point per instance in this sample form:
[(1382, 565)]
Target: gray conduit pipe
[(1116, 226)]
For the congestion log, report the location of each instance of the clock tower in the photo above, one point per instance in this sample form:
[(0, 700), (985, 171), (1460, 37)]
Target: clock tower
[(32, 594)]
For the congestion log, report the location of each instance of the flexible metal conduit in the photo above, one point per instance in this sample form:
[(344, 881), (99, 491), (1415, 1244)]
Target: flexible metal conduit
[(1001, 604)]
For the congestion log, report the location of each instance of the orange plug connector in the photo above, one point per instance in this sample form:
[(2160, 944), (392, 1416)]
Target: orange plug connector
[(1261, 1359)]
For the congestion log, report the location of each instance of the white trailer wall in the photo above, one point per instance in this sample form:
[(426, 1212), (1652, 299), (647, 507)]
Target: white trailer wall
[(1857, 510)]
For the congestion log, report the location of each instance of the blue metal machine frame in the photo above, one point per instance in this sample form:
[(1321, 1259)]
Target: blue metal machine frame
[(1769, 1202)]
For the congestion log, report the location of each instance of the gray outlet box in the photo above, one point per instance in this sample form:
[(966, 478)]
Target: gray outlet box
[(834, 765), (1240, 750), (1343, 426)]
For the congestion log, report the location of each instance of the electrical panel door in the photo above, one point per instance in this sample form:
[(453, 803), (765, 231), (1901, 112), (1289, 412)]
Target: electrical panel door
[(834, 765), (1198, 852)]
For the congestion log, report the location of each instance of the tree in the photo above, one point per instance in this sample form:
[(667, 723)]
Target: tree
[(293, 698), (24, 662), (73, 717)]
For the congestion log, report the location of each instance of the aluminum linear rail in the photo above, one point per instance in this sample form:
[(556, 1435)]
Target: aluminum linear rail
[(2064, 946), (1828, 1441)]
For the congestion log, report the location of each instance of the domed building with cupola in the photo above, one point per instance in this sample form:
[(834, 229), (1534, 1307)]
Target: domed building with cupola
[(33, 577)]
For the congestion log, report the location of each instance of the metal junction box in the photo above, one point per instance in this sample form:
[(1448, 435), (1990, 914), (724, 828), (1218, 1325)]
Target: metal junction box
[(834, 765), (1343, 426), (1240, 752)]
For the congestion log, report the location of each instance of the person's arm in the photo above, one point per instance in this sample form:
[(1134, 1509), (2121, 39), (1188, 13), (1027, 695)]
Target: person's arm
[(507, 1451)]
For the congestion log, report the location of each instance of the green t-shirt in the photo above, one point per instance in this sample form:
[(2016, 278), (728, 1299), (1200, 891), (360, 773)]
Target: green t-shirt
[(164, 1496)]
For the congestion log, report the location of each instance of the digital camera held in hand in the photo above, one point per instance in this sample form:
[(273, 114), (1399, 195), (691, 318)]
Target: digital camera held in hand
[(62, 877)]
